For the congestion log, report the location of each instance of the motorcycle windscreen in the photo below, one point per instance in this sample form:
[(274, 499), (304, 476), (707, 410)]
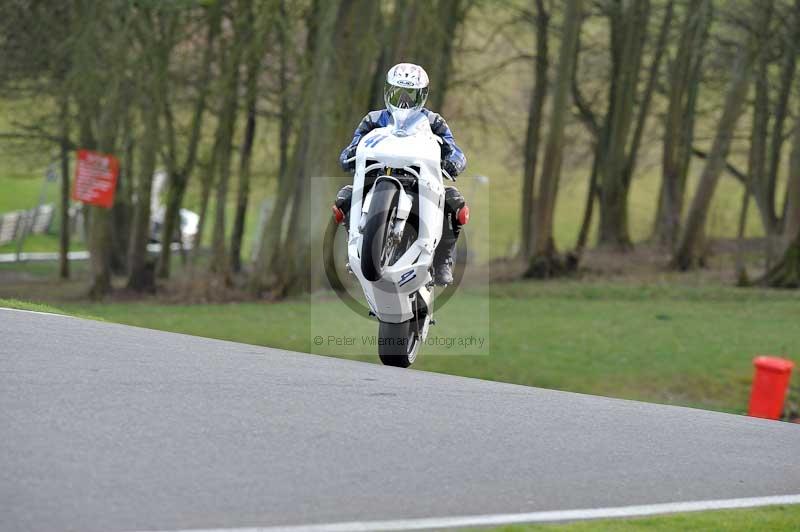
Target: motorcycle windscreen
[(407, 120)]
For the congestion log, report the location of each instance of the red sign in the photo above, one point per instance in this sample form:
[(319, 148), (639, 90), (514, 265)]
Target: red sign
[(95, 178)]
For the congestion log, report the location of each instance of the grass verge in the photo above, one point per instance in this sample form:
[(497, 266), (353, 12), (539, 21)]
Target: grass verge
[(41, 307), (773, 519)]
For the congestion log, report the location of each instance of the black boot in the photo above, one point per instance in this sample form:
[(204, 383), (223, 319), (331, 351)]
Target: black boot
[(444, 257), (343, 198), (443, 261)]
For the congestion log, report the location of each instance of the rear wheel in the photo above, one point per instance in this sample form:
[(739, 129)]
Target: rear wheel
[(398, 343), (377, 244)]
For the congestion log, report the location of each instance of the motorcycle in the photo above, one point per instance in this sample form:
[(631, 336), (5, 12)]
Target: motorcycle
[(395, 224)]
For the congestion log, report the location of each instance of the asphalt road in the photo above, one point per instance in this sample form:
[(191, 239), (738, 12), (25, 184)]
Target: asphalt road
[(108, 427)]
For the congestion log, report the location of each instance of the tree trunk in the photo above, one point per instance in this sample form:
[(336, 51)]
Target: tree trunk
[(741, 267), (589, 118), (450, 14), (791, 219), (219, 259), (757, 156), (63, 240), (177, 183), (123, 202), (157, 34), (100, 239), (285, 119), (786, 274), (243, 193), (272, 226), (688, 253), (646, 98), (98, 122), (780, 112), (628, 30), (178, 178), (336, 89), (206, 185), (534, 130), (588, 210), (684, 81), (543, 262), (98, 221), (140, 277)]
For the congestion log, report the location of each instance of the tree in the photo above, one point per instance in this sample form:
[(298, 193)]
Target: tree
[(422, 32), (179, 172), (99, 86), (156, 30), (543, 261), (683, 86), (341, 63), (443, 29), (533, 130), (36, 50), (64, 150), (618, 135), (256, 44), (688, 253), (786, 272), (266, 251), (231, 58), (787, 44), (791, 219), (628, 19)]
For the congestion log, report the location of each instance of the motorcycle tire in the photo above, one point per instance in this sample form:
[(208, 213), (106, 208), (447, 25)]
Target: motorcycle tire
[(398, 343), (379, 217)]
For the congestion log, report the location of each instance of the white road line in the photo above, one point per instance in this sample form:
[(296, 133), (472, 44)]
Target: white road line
[(511, 519), (35, 312)]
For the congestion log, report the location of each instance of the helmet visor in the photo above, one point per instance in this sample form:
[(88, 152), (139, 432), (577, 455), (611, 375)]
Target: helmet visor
[(404, 97)]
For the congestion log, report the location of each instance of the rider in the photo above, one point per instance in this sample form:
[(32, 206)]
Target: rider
[(407, 88)]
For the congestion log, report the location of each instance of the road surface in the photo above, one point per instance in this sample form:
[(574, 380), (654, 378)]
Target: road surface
[(114, 428)]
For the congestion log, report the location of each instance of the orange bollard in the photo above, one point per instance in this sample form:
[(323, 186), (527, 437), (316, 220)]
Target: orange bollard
[(769, 386)]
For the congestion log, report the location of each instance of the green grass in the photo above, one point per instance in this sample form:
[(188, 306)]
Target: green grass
[(677, 345), (41, 307), (46, 243), (28, 305), (772, 519), (18, 193)]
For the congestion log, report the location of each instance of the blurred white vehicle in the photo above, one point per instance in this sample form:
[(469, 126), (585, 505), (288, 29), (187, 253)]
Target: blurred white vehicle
[(189, 220)]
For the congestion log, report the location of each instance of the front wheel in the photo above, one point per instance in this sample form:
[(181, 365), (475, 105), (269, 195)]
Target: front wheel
[(398, 343), (378, 245)]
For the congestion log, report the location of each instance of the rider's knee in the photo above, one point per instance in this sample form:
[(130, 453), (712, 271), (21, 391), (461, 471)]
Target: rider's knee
[(454, 203), (453, 200)]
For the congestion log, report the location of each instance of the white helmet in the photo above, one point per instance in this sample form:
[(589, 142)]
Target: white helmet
[(406, 88)]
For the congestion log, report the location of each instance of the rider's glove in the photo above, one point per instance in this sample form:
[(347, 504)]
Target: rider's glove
[(449, 167), (348, 154)]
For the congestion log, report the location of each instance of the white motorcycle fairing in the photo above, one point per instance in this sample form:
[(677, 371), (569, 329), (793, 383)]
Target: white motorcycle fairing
[(413, 148)]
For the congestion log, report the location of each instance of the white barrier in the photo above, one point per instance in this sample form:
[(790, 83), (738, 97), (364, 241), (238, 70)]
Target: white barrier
[(43, 219), (35, 221), (9, 224)]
